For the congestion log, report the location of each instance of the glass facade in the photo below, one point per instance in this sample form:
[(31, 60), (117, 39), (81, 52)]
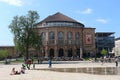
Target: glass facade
[(105, 41), (60, 24)]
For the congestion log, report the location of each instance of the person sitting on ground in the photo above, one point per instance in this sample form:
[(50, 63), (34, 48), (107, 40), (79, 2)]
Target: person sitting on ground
[(22, 70), (13, 72)]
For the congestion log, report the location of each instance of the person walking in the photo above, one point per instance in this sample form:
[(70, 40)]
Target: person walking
[(116, 61), (50, 63), (28, 63), (102, 60)]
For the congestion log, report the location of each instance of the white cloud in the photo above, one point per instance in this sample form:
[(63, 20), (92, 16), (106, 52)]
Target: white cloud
[(87, 11), (102, 21), (13, 2)]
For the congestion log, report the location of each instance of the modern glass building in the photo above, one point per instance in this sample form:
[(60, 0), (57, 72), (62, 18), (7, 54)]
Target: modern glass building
[(104, 40)]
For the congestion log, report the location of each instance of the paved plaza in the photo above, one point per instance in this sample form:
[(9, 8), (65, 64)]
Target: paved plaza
[(51, 75)]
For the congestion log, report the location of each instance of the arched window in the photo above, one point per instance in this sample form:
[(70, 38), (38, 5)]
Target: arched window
[(69, 37), (60, 37), (77, 38), (43, 35), (51, 37)]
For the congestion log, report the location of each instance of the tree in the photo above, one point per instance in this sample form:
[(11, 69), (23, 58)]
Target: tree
[(4, 54), (36, 41), (103, 52), (23, 29)]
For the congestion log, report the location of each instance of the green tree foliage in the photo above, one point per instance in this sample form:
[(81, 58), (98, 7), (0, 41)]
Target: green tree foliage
[(103, 52), (24, 30), (3, 54), (36, 40)]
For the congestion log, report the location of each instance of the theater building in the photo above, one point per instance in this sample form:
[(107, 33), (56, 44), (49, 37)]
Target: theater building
[(64, 37)]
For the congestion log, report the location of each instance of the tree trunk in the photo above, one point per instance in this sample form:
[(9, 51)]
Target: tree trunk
[(27, 47)]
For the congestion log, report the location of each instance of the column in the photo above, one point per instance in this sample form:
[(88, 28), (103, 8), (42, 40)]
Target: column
[(65, 52), (81, 52), (56, 52), (46, 52), (46, 45)]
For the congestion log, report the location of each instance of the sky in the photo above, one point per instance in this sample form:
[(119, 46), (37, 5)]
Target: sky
[(104, 15)]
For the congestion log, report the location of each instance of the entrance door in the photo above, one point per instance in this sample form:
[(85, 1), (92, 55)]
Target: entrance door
[(78, 52), (51, 53), (70, 53), (61, 52)]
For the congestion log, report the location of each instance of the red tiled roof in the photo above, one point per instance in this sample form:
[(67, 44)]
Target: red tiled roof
[(59, 17)]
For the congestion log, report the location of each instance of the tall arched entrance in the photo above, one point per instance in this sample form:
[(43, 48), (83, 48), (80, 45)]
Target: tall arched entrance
[(70, 52), (78, 52), (51, 53), (61, 52)]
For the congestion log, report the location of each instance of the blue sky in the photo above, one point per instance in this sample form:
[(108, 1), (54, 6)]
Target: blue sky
[(100, 14)]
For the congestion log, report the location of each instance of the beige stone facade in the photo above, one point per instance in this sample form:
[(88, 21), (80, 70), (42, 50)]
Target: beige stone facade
[(55, 49)]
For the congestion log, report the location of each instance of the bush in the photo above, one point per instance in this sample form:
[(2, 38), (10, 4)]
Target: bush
[(3, 54), (103, 52)]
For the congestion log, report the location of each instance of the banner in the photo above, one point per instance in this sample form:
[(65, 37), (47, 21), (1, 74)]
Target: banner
[(88, 39)]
